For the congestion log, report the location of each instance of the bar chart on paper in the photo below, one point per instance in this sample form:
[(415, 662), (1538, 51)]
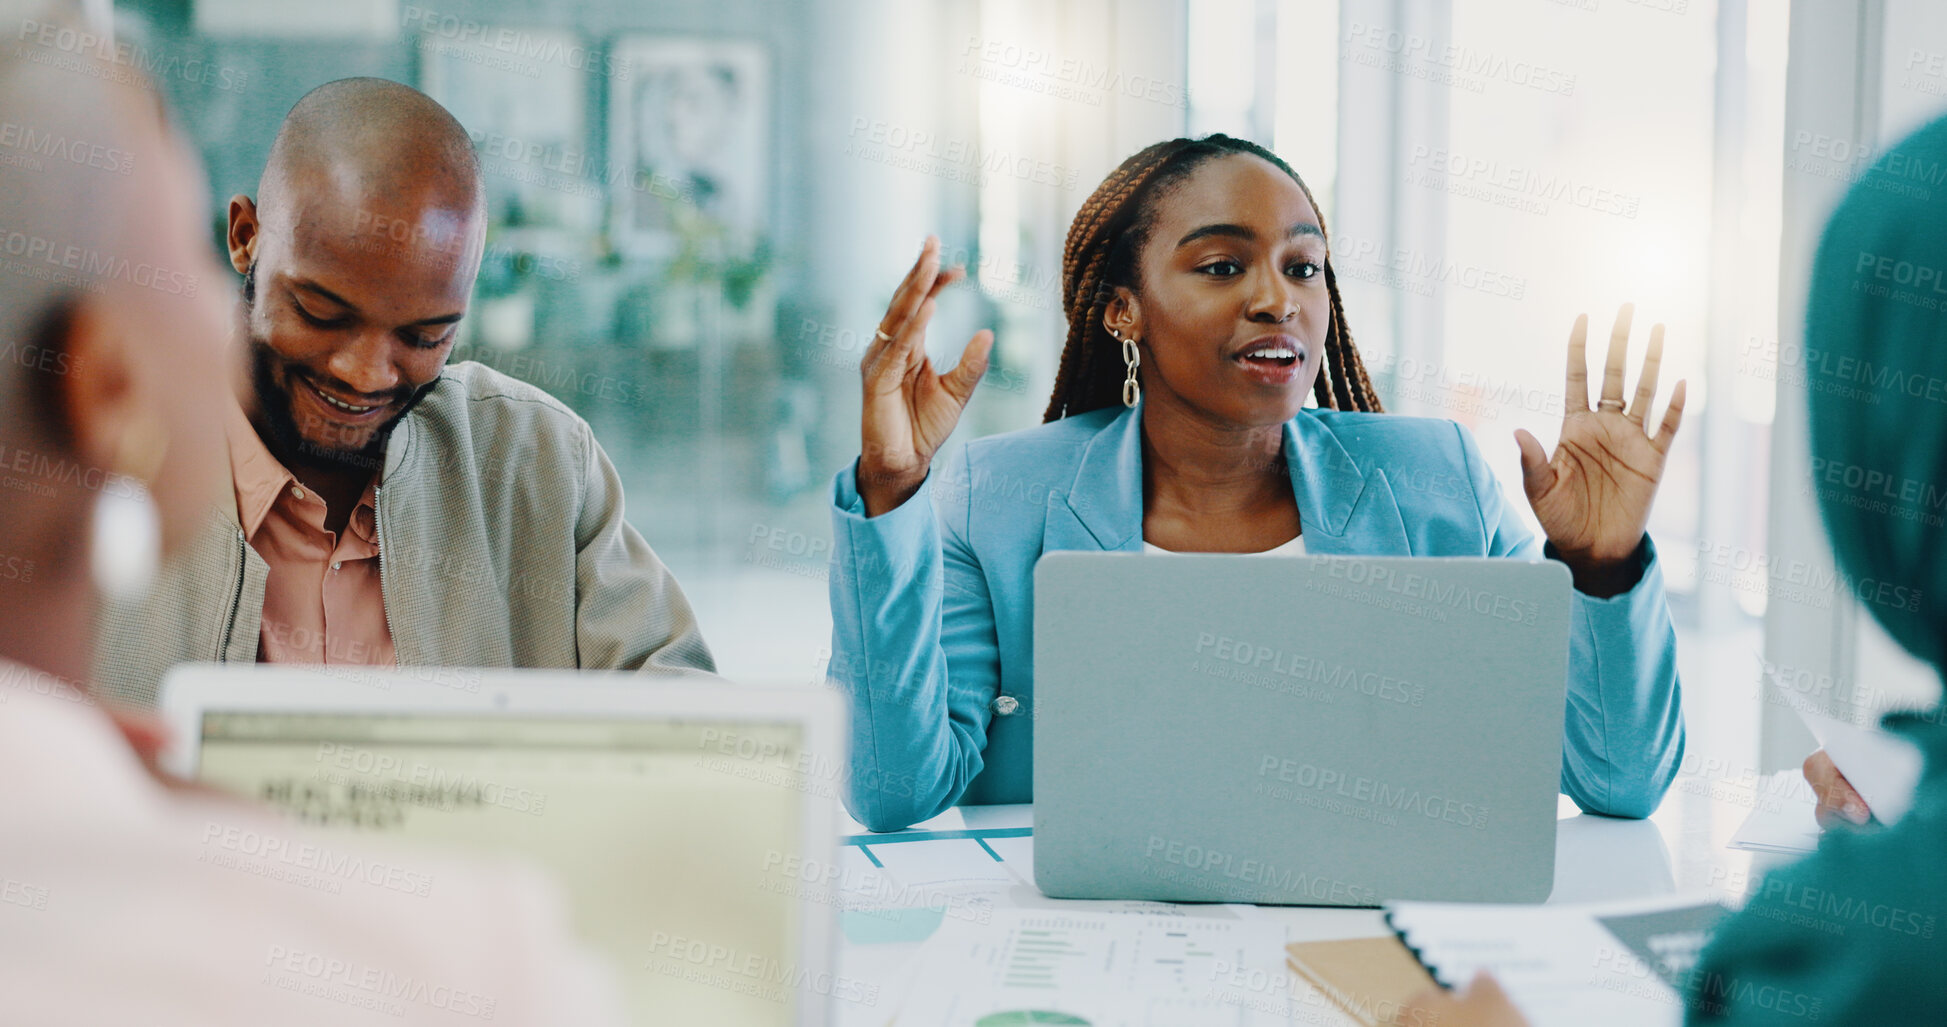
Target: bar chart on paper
[(1101, 970)]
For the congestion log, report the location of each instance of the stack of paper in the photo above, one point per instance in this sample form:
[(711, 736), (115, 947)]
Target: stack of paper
[(1101, 970), (1781, 819), (1881, 766)]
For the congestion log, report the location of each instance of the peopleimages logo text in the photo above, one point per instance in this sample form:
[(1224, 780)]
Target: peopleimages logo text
[(1209, 861), (1373, 792), (542, 47), (1413, 585), (91, 264), (28, 139), (1308, 668)]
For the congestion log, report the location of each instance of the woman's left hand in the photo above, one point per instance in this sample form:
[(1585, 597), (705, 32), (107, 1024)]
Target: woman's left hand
[(1593, 496)]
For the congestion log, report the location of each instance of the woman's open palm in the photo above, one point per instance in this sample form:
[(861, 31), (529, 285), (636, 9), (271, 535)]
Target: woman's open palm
[(1593, 495), (909, 409)]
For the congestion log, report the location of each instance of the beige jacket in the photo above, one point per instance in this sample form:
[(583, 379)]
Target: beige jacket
[(502, 543)]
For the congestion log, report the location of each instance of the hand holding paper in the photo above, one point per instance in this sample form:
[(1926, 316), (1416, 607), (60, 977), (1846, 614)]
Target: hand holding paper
[(1883, 768), (1838, 801)]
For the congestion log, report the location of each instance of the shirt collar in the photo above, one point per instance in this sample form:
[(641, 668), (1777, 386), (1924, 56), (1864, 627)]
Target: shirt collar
[(259, 477), (261, 481)]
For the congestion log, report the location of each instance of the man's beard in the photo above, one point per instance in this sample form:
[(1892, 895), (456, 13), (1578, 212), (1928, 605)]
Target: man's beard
[(279, 426), (287, 442)]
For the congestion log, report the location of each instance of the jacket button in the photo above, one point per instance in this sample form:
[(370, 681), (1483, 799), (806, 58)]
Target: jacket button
[(1006, 704)]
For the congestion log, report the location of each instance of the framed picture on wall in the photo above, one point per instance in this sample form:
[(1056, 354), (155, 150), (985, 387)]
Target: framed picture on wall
[(522, 95), (689, 129)]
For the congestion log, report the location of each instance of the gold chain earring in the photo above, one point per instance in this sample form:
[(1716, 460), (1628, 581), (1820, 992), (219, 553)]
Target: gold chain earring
[(1132, 390)]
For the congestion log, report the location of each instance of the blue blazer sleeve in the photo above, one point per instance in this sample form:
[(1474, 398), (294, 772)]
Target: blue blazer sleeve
[(914, 648), (1623, 738)]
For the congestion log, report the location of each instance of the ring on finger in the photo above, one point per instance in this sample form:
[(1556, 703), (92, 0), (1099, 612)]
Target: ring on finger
[(1613, 405), (880, 334)]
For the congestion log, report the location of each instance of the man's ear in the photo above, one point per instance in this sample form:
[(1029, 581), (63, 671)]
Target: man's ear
[(242, 235), (97, 394), (1124, 316)]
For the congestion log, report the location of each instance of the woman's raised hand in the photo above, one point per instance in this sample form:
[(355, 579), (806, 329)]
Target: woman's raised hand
[(909, 409), (1593, 496)]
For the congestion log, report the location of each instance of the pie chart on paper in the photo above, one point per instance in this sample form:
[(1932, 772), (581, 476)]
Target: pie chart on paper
[(1027, 1017)]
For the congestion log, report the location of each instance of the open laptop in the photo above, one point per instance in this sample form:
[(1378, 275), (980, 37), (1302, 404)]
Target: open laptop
[(684, 820), (1310, 731)]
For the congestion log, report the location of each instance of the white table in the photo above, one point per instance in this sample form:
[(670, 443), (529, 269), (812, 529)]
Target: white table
[(1680, 848)]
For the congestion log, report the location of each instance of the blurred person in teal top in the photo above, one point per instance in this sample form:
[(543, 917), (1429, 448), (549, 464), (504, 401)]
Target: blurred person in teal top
[(1202, 310), (1857, 932), (1859, 929)]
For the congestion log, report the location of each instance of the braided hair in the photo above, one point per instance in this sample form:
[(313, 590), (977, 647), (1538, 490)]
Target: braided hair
[(1103, 242)]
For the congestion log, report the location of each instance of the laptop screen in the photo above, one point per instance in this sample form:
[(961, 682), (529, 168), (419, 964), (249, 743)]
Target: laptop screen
[(675, 839)]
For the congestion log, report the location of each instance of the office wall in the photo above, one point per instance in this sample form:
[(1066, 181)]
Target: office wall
[(233, 105)]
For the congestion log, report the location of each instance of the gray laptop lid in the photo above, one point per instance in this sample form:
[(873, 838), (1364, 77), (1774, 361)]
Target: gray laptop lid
[(1314, 731)]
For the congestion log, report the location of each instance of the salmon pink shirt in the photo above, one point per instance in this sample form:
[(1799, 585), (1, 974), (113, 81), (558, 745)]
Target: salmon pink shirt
[(323, 603)]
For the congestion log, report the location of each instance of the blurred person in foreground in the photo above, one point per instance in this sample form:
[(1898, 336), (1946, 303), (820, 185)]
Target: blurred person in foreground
[(1857, 932), (124, 899)]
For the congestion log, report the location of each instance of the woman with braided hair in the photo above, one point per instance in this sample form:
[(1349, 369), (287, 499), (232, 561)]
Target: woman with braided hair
[(1202, 308)]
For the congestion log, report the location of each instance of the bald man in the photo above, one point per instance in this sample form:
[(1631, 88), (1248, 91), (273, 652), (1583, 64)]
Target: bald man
[(391, 508)]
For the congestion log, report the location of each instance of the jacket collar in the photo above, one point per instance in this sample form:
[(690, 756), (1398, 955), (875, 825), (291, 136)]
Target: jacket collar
[(399, 444), (1106, 496), (399, 448)]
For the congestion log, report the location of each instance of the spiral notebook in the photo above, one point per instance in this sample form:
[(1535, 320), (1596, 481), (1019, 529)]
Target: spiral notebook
[(1624, 964)]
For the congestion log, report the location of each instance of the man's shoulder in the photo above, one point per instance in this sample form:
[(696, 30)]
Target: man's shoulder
[(495, 423), (478, 392)]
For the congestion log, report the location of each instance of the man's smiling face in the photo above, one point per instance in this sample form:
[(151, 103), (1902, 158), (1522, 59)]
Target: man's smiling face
[(350, 310), (358, 255)]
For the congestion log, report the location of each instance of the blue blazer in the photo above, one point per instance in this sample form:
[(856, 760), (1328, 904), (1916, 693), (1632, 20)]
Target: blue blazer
[(933, 603)]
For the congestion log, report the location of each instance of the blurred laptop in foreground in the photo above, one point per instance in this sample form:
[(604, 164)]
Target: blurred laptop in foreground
[(693, 825)]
